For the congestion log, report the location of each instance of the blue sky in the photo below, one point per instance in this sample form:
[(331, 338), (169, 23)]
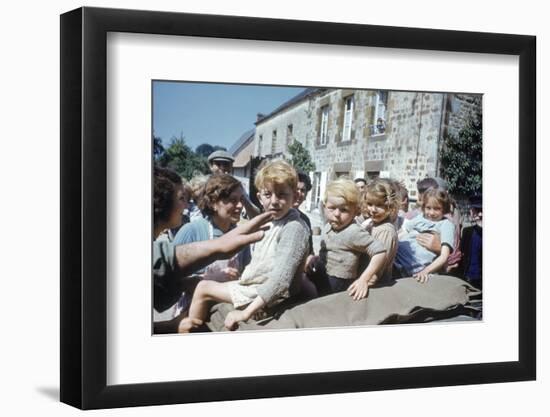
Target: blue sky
[(217, 114)]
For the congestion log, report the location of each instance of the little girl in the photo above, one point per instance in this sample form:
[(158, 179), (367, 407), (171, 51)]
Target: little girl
[(412, 258), (380, 204), (344, 242)]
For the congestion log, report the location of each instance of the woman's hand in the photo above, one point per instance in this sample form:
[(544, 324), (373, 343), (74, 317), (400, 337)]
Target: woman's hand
[(242, 235), (233, 319), (430, 241)]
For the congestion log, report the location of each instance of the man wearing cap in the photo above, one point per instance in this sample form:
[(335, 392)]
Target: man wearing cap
[(221, 162)]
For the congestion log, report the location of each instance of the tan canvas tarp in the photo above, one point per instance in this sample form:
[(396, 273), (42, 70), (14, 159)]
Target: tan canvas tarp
[(397, 303)]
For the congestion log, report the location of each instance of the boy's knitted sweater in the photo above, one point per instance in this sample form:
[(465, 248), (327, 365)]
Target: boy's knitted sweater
[(277, 259), (344, 248)]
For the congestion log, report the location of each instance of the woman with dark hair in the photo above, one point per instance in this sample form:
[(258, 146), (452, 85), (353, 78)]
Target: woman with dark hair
[(170, 198), (221, 204)]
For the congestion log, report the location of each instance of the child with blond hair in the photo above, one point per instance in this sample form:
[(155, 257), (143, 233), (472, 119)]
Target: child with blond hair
[(344, 243), (274, 272), (412, 259)]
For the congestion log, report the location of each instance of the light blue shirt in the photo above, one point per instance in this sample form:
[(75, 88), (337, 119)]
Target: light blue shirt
[(204, 229), (412, 257)]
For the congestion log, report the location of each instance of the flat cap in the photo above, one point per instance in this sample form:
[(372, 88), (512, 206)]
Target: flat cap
[(220, 156)]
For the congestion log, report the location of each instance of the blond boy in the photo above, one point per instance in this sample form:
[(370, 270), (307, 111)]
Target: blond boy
[(344, 242), (274, 271)]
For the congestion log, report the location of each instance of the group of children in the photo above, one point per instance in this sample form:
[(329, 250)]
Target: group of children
[(368, 240)]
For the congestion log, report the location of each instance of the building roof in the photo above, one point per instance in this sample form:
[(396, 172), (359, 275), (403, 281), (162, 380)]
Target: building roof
[(241, 142), (296, 99), (242, 157)]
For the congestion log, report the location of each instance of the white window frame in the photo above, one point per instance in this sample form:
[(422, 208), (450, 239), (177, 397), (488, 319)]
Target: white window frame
[(380, 111), (348, 118), (260, 144), (289, 133), (324, 125), (316, 195), (274, 142)]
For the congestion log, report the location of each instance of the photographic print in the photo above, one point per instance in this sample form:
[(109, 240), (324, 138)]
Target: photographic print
[(187, 207), (288, 207)]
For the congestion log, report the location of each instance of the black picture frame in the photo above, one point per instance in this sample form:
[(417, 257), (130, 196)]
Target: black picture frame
[(84, 207)]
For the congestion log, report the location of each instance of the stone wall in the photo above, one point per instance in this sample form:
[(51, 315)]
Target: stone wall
[(297, 116), (406, 151), (338, 156), (411, 145), (461, 107)]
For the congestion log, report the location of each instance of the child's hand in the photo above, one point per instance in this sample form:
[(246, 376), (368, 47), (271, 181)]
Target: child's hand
[(358, 289), (310, 263), (231, 273), (367, 225), (233, 318), (422, 276)]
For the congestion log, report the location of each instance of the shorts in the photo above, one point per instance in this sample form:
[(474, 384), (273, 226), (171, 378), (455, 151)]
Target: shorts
[(242, 295)]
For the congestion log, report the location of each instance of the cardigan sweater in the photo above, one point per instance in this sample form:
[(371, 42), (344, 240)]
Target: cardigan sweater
[(277, 259)]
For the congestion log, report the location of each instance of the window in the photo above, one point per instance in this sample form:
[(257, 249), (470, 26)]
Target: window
[(348, 118), (260, 143), (379, 122), (289, 135), (273, 142), (324, 126), (316, 196), (372, 175)]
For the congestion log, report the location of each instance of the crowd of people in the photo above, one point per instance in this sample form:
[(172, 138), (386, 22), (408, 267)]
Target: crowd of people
[(212, 244)]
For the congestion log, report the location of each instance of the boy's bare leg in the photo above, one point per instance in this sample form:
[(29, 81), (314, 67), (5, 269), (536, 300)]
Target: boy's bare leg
[(206, 292)]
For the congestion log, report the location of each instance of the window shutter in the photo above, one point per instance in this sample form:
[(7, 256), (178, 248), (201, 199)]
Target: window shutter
[(348, 117), (370, 121), (318, 127), (340, 124)]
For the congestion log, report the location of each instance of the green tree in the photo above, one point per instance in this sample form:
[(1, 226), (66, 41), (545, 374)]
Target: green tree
[(461, 159), (301, 159), (204, 150), (158, 149), (181, 158)]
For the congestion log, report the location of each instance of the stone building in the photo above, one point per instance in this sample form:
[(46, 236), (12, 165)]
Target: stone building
[(242, 152), (364, 133)]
